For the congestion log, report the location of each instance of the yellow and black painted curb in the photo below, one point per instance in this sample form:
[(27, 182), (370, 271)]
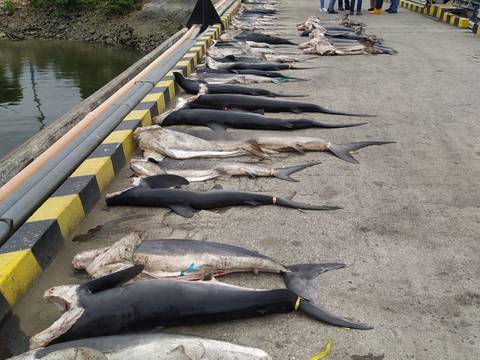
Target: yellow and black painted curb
[(444, 13), (34, 245), (476, 29), (441, 12)]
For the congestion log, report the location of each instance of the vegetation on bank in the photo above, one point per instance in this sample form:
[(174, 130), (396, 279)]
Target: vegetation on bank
[(109, 7), (9, 7)]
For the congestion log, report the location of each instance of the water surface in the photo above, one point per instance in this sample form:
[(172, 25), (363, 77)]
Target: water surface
[(42, 80)]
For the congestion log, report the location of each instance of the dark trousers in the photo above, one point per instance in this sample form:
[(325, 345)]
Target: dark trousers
[(347, 4), (379, 4), (359, 5)]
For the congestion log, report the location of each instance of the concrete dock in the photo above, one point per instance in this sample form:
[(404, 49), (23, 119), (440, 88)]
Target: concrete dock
[(410, 226)]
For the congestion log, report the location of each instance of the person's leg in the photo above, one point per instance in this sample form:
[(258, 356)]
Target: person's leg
[(352, 6), (394, 6), (331, 7), (373, 3), (347, 5), (359, 7), (340, 5), (379, 4), (322, 4)]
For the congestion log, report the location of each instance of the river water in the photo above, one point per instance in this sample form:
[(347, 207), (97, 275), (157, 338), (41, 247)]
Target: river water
[(42, 80)]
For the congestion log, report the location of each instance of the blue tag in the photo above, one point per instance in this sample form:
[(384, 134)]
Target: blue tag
[(190, 268)]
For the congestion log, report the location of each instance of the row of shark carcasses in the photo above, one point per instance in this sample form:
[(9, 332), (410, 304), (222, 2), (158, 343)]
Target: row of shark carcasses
[(138, 284)]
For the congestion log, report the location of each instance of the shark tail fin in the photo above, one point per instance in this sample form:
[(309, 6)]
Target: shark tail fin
[(323, 125), (319, 313), (285, 202), (288, 95), (342, 151), (285, 172), (300, 278)]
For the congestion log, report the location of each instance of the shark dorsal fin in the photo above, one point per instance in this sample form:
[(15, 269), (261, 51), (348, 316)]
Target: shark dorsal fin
[(163, 181), (112, 280)]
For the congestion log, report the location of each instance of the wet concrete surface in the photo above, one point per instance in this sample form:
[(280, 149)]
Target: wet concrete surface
[(410, 225)]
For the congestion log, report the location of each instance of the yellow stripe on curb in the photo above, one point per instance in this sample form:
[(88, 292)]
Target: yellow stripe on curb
[(124, 137), (170, 84), (186, 64), (193, 56), (463, 23), (17, 271), (143, 115), (67, 210), (101, 167), (197, 49), (159, 98)]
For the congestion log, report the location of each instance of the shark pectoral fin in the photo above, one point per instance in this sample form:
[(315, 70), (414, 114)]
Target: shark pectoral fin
[(251, 175), (163, 181), (237, 110), (298, 149), (217, 126), (296, 111), (252, 203), (287, 125), (112, 280), (189, 351), (254, 148), (182, 210), (290, 196), (259, 111)]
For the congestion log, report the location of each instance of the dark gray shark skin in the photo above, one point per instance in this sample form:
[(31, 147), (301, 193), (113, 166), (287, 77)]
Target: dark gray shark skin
[(221, 120), (193, 87), (259, 11), (262, 38), (270, 74), (112, 309), (256, 103), (258, 66), (153, 193)]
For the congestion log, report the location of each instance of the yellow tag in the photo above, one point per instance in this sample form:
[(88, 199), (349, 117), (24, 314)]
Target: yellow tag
[(345, 328), (325, 351), (297, 304)]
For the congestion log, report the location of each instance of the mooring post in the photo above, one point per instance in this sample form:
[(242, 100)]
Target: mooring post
[(204, 14)]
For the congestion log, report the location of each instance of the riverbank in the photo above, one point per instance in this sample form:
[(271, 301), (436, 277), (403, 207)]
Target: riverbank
[(138, 30)]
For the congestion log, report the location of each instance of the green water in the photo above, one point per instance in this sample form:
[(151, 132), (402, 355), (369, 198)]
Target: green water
[(42, 80)]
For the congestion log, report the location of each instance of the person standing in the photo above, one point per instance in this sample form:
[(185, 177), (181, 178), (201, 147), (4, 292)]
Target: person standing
[(372, 5), (322, 6), (331, 7), (393, 9), (340, 5), (359, 7), (378, 7)]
